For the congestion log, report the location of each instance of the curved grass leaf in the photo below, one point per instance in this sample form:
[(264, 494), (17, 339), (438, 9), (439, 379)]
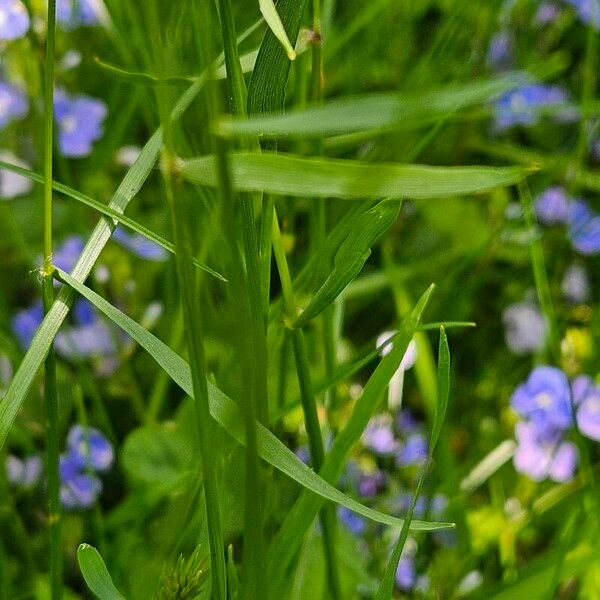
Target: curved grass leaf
[(109, 212), (96, 574), (291, 175), (269, 12), (372, 111), (227, 413)]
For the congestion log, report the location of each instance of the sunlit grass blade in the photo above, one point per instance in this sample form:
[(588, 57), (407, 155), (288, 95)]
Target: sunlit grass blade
[(287, 174), (96, 574), (486, 467), (227, 413), (269, 12)]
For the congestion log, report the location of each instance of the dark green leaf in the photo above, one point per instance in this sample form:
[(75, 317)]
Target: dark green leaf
[(96, 574)]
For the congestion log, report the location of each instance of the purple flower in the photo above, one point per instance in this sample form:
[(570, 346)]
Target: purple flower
[(73, 13), (546, 14), (13, 103), (86, 341), (588, 11), (67, 254), (379, 435), (406, 575), (23, 472), (544, 398), (586, 396), (26, 322), (539, 455), (584, 228), (89, 448), (552, 206), (523, 106), (79, 120), (14, 19), (575, 284), (12, 184), (406, 422), (499, 53), (140, 246), (78, 490), (354, 523), (413, 450), (370, 484), (525, 328)]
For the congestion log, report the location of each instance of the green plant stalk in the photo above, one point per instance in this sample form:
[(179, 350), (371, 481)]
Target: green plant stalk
[(309, 406), (50, 392)]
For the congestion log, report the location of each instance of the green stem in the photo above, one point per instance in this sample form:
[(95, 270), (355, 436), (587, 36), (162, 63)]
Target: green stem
[(50, 394)]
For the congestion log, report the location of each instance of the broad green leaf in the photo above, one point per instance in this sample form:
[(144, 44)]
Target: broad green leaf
[(269, 12), (351, 256), (289, 538), (35, 355), (96, 574), (290, 175), (372, 111), (266, 90), (109, 212), (227, 413)]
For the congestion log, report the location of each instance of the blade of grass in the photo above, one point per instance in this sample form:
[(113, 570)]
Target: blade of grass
[(96, 574), (227, 413), (292, 175), (271, 16)]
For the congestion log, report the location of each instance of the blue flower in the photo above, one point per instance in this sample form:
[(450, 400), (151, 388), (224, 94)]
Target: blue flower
[(26, 322), (370, 484), (14, 20), (406, 422), (354, 523), (86, 341), (79, 120), (406, 575), (413, 450), (78, 490), (588, 10), (89, 448), (546, 14), (67, 254), (525, 328), (540, 455), (378, 436), (544, 398), (552, 206), (586, 396), (499, 53), (584, 228), (73, 13), (524, 105), (575, 284), (23, 472), (140, 246), (13, 103)]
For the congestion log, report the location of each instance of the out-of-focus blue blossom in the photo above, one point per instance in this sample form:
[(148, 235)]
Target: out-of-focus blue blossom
[(586, 396), (14, 19), (575, 284), (545, 399), (525, 328), (65, 256), (552, 206), (413, 450), (303, 454), (127, 155), (89, 448), (500, 50), (524, 105), (546, 13), (439, 505), (469, 583), (406, 574), (584, 228), (75, 13), (139, 245), (13, 103), (23, 472), (353, 522), (540, 455), (12, 184), (26, 322), (78, 489), (370, 484), (79, 120), (406, 422), (378, 436), (86, 341), (588, 10)]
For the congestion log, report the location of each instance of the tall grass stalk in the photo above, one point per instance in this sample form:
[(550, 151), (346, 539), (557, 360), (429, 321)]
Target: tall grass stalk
[(50, 392)]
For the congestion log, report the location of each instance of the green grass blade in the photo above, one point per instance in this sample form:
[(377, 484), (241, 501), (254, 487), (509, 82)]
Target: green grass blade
[(372, 111), (109, 212), (443, 389), (269, 12), (96, 574), (287, 174), (227, 413)]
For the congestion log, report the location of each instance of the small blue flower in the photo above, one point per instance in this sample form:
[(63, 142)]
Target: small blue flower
[(575, 284), (406, 422), (354, 523), (584, 228), (500, 50), (413, 450), (586, 395), (547, 13), (588, 10), (89, 448), (26, 322), (74, 13), (545, 399), (378, 436), (78, 490), (552, 206), (406, 575), (23, 472), (524, 105), (14, 19), (370, 484), (79, 120), (67, 254), (13, 104), (140, 246), (525, 328)]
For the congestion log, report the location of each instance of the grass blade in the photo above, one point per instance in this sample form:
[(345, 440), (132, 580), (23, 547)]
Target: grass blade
[(287, 174), (96, 574), (269, 12)]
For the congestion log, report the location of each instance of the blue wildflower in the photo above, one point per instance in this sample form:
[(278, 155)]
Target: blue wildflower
[(584, 228), (524, 105), (586, 396), (552, 206), (353, 522), (575, 284), (500, 50), (86, 341), (546, 13), (14, 19), (370, 484), (79, 120), (26, 322), (75, 13), (378, 436), (78, 490), (66, 255), (139, 245), (12, 184), (525, 328), (413, 450), (13, 103), (89, 448), (406, 574), (406, 422), (544, 398), (23, 472), (588, 11)]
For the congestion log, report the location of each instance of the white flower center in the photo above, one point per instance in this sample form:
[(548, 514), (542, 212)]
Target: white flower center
[(543, 400), (69, 124)]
